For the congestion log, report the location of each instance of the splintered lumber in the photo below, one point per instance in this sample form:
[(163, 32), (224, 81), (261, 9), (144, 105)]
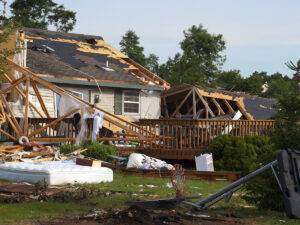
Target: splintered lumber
[(88, 162), (10, 149)]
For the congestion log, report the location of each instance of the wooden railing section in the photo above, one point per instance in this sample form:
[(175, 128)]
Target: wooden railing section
[(183, 139), (165, 138)]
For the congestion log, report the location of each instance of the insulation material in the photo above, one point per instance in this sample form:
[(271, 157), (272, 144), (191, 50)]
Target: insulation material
[(97, 124), (87, 113), (67, 104)]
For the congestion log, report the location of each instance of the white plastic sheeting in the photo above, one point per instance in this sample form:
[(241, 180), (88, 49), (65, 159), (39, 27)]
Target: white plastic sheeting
[(141, 161), (67, 103), (87, 113), (97, 123)]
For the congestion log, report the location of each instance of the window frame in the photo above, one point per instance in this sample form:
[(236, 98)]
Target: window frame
[(123, 102), (77, 93)]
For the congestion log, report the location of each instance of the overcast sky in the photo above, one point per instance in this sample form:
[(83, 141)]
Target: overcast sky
[(260, 34)]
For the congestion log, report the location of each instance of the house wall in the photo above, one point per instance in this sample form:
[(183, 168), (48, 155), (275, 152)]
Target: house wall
[(111, 100), (48, 97), (150, 104)]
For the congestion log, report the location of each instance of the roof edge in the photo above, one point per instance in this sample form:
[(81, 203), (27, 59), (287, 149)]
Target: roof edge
[(104, 84)]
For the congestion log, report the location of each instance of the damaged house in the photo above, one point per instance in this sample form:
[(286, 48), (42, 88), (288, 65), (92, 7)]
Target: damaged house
[(56, 69), (92, 70)]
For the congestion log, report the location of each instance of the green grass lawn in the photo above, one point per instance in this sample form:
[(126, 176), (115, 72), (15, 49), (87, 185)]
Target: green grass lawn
[(129, 187)]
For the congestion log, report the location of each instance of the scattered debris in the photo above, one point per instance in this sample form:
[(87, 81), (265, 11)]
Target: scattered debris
[(141, 161), (138, 216)]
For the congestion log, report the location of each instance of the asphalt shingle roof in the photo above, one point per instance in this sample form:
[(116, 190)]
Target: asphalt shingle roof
[(65, 55)]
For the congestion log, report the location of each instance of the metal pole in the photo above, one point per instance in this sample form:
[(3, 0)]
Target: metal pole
[(230, 188)]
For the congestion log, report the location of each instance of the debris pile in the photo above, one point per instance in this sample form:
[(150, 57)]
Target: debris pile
[(32, 151), (138, 216), (41, 191)]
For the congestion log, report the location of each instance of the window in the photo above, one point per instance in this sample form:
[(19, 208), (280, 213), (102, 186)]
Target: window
[(77, 94), (131, 102)]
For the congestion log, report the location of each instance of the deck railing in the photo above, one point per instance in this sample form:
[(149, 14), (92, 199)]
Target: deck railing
[(183, 139), (163, 138)]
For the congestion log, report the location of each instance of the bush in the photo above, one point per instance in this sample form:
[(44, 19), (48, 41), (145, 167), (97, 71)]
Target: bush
[(68, 148), (96, 150), (263, 191), (233, 154), (247, 154)]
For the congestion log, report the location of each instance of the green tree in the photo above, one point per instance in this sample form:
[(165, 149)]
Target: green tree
[(42, 13), (285, 136), (152, 63), (277, 85), (130, 45), (8, 28), (295, 67), (254, 84), (229, 80), (200, 60)]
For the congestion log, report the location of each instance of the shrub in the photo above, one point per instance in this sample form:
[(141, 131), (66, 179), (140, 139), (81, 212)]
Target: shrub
[(247, 154), (263, 191), (68, 148), (96, 150), (232, 153)]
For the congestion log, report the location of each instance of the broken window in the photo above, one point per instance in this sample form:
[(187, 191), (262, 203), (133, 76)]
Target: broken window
[(131, 102)]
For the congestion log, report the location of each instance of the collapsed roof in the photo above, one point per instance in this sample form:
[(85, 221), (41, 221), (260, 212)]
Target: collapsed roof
[(78, 56), (195, 102)]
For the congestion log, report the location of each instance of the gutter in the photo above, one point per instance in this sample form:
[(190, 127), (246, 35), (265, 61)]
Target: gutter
[(105, 84)]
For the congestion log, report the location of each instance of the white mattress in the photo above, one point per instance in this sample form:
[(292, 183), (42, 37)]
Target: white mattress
[(54, 173)]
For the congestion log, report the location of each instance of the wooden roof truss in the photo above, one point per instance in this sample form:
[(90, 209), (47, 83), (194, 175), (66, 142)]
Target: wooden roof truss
[(28, 79), (195, 103)]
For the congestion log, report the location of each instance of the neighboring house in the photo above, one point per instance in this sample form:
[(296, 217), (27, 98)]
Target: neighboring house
[(93, 70)]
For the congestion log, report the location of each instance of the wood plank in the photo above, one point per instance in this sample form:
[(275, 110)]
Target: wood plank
[(176, 92), (205, 104), (11, 116), (241, 107), (14, 84), (220, 110), (231, 110), (194, 104), (8, 135), (54, 122), (25, 128), (23, 95), (38, 95), (181, 103)]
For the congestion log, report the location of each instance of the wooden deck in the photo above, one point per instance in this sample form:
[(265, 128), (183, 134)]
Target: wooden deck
[(183, 139), (165, 138)]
